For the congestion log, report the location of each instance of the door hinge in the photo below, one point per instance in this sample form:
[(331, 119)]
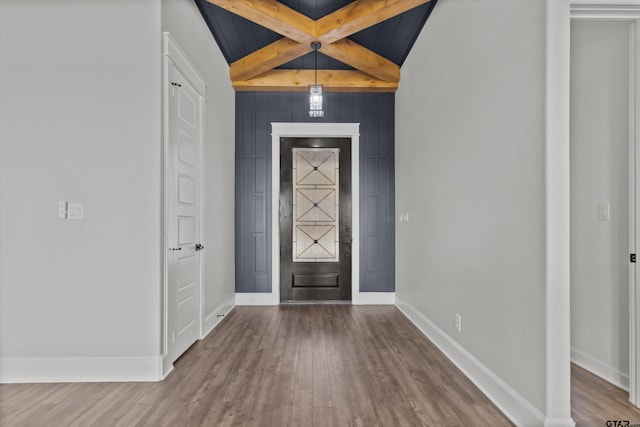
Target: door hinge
[(632, 258)]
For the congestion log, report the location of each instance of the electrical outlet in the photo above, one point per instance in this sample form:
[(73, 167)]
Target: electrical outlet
[(458, 322)]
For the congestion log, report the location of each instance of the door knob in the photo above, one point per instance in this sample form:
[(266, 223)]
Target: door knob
[(199, 247)]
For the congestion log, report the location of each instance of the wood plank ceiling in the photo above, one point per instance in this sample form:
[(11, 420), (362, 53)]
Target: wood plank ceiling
[(267, 43)]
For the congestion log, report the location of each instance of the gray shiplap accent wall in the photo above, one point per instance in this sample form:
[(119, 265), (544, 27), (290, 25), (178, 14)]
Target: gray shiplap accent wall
[(255, 111)]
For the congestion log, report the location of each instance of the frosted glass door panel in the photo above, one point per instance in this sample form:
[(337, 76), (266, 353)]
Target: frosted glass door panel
[(315, 204)]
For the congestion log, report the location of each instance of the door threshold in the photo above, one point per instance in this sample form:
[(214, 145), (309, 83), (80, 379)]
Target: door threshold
[(316, 302)]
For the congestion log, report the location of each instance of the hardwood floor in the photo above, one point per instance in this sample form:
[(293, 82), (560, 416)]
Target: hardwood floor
[(594, 401), (308, 365)]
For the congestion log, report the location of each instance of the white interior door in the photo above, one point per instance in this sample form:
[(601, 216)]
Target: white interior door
[(183, 224)]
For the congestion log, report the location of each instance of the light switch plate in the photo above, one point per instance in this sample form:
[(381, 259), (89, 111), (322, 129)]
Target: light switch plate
[(62, 209), (75, 211), (604, 211)]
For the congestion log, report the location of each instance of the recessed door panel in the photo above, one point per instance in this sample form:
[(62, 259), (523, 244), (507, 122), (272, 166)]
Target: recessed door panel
[(187, 109), (187, 149), (186, 271), (186, 313), (315, 280), (186, 230), (186, 190)]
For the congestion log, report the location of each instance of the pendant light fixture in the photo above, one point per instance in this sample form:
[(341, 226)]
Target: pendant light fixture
[(315, 90)]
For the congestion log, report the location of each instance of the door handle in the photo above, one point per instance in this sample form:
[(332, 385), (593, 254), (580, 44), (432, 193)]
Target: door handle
[(175, 249), (199, 247), (347, 239)]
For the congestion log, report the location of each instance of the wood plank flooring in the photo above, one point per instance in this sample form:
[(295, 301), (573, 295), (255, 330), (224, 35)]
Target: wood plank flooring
[(594, 401), (308, 365)]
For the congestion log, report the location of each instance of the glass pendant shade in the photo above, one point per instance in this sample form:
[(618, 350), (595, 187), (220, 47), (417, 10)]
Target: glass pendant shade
[(315, 101)]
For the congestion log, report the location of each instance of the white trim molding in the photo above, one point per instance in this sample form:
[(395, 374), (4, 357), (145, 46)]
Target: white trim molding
[(634, 166), (215, 317), (634, 186), (331, 130), (374, 298), (182, 63), (257, 298), (618, 10), (608, 373), (557, 218), (359, 298), (510, 402), (80, 369)]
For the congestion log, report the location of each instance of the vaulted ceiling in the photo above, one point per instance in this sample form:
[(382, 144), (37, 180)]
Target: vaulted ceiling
[(267, 43)]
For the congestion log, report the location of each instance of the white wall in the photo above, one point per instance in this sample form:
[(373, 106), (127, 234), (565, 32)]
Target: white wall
[(80, 115), (470, 139), (600, 174), (183, 21)]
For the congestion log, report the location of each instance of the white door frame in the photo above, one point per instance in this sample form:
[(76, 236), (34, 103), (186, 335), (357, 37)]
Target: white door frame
[(172, 54), (330, 130), (626, 11), (557, 224)]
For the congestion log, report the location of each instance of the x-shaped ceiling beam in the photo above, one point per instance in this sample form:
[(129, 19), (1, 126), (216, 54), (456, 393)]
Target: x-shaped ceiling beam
[(373, 73)]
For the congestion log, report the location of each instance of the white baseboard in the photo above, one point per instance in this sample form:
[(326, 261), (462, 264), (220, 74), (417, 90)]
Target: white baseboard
[(374, 298), (80, 369), (212, 319), (256, 299), (359, 298), (520, 411), (603, 371), (559, 423)]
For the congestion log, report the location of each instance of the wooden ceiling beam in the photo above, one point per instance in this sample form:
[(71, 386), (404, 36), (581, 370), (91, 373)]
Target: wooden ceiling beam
[(273, 15), (299, 80), (265, 59), (256, 71), (363, 59), (285, 50), (359, 15)]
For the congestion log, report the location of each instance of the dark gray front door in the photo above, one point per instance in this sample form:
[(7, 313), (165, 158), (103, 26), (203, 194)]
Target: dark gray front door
[(315, 219)]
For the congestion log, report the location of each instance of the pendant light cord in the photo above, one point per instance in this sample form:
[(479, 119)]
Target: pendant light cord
[(315, 46)]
